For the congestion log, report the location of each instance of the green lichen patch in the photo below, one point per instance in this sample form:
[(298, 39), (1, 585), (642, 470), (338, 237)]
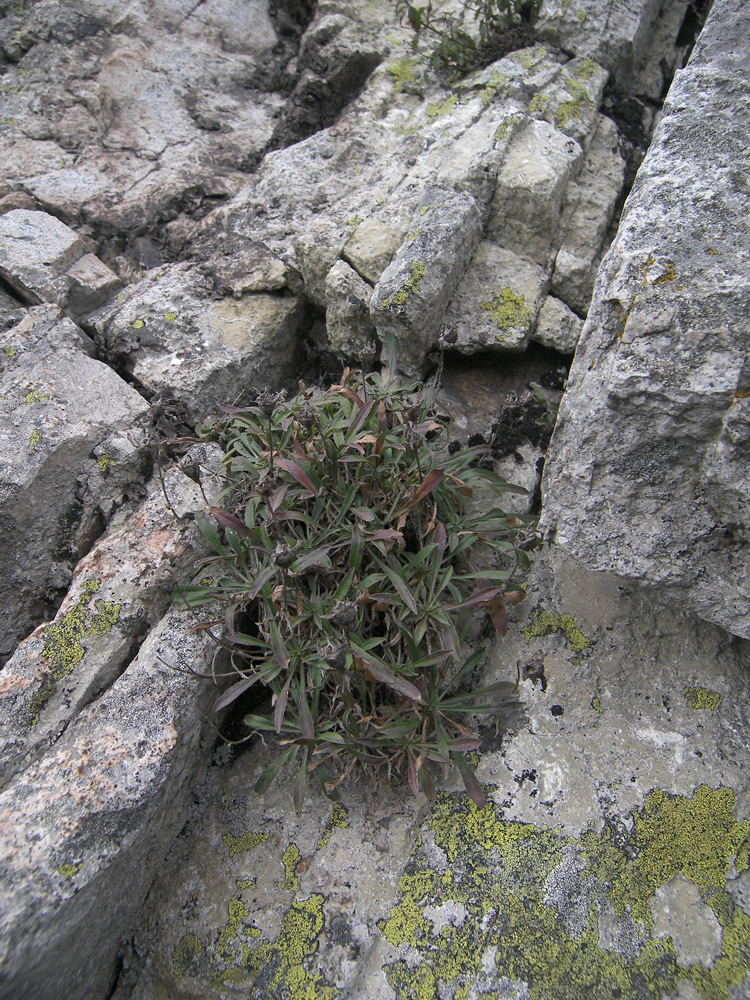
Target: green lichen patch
[(290, 859), (244, 843), (543, 623), (507, 890), (573, 108), (245, 883), (338, 820), (283, 968), (63, 649), (228, 933), (700, 697), (68, 871), (170, 317), (412, 283), (509, 311), (439, 108), (104, 461), (34, 438), (583, 67), (402, 73), (187, 949), (596, 704), (139, 324), (35, 396)]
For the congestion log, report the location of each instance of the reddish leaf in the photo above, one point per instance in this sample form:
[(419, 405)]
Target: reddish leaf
[(441, 538), (299, 473), (230, 521), (363, 414), (498, 615), (413, 772), (470, 781), (305, 717), (277, 497), (232, 693), (482, 597)]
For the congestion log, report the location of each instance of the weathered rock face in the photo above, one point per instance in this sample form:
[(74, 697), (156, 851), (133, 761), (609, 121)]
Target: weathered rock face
[(72, 440), (649, 470)]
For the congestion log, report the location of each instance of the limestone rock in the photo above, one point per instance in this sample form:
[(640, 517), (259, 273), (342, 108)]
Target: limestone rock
[(588, 207), (557, 327), (371, 248), (175, 337), (43, 260), (119, 591), (348, 322), (410, 299), (528, 197), (64, 417), (497, 301), (85, 829), (373, 897), (646, 470)]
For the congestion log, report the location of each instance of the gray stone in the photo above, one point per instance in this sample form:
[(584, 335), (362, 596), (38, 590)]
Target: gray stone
[(64, 416), (588, 207), (371, 248), (366, 897), (557, 326), (119, 590), (348, 322), (175, 337), (648, 461), (43, 260), (410, 299), (497, 301), (85, 828), (528, 196), (617, 35)]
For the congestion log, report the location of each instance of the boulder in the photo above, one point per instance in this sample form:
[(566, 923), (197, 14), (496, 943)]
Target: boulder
[(73, 440), (84, 829), (646, 471)]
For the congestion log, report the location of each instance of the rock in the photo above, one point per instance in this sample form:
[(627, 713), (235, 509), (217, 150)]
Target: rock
[(66, 419), (497, 301), (646, 471), (410, 299), (557, 327), (348, 322), (86, 827), (119, 591), (617, 38), (588, 207), (528, 196), (175, 337), (43, 260), (371, 248)]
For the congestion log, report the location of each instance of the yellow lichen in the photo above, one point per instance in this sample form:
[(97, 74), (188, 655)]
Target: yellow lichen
[(338, 820), (244, 843), (700, 697), (509, 310)]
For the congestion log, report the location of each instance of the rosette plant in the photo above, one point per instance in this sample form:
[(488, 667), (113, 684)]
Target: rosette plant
[(349, 557)]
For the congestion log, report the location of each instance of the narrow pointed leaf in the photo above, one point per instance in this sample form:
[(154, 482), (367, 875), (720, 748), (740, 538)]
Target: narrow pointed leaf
[(305, 718), (403, 589), (233, 692), (270, 773), (470, 781), (280, 707), (298, 472), (280, 652), (228, 520)]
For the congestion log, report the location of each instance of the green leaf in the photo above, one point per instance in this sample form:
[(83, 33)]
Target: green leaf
[(402, 587), (270, 772), (280, 652), (232, 693), (470, 780), (280, 707)]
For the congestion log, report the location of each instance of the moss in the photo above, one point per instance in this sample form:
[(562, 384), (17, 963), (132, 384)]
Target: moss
[(290, 859), (509, 310), (68, 871), (244, 843), (187, 949), (700, 697), (63, 649), (338, 820), (505, 878), (543, 623), (401, 73)]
